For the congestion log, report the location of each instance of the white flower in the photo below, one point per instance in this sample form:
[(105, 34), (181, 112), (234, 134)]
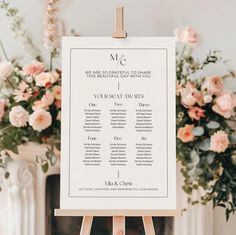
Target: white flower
[(188, 36), (18, 116), (43, 79), (6, 69), (40, 119), (207, 99)]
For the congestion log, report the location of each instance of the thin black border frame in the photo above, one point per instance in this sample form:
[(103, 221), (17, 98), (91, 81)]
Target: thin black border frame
[(167, 126)]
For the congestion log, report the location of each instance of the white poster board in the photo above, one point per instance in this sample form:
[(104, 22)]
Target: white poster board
[(118, 123)]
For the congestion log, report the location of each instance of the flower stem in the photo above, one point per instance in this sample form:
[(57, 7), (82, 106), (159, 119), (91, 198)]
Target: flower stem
[(51, 60), (10, 83), (5, 129), (3, 50)]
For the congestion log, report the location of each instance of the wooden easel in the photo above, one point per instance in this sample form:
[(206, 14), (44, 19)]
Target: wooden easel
[(118, 218), (118, 215)]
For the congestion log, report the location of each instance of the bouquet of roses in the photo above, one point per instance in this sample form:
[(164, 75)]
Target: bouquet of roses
[(206, 139), (30, 108)]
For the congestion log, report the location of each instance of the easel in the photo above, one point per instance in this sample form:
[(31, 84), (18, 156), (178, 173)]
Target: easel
[(118, 215)]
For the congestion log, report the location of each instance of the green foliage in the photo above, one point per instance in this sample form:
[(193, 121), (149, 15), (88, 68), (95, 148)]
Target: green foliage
[(201, 167)]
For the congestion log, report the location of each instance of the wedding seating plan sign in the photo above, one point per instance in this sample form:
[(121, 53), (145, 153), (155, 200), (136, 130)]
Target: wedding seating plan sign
[(118, 123)]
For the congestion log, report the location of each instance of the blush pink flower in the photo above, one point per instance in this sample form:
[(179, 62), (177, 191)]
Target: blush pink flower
[(43, 79), (188, 36), (23, 93), (18, 116), (34, 68), (185, 133), (48, 98), (219, 142), (190, 96), (40, 120), (57, 92), (196, 113), (39, 104), (224, 104), (2, 108), (213, 85)]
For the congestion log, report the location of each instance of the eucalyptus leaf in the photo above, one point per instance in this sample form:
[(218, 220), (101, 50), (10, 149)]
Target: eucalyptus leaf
[(198, 131), (199, 171), (195, 157), (191, 172), (53, 160), (232, 138), (205, 145), (44, 166), (7, 175), (210, 158), (213, 125)]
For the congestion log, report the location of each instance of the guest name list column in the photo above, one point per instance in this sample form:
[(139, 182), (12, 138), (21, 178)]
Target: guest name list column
[(118, 123)]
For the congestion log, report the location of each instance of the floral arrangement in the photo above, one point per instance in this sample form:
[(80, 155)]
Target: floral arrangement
[(30, 107), (30, 100), (206, 139)]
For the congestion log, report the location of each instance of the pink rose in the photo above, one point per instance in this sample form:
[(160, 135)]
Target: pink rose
[(43, 79), (190, 96), (188, 36), (219, 142), (48, 98), (2, 109), (57, 92), (224, 104), (39, 104), (185, 133), (196, 113), (18, 116), (40, 119), (213, 85), (34, 68)]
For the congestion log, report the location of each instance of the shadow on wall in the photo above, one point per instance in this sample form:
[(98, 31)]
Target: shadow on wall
[(101, 225)]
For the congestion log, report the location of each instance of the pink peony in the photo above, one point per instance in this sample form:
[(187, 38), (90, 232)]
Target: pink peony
[(188, 36), (40, 119), (213, 85), (34, 68), (2, 109), (196, 113), (224, 104), (219, 142), (18, 116), (185, 133)]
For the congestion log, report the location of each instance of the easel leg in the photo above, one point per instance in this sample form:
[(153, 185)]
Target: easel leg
[(118, 225), (86, 225), (148, 225)]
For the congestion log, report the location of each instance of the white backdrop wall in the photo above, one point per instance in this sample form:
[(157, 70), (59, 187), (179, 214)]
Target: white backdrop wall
[(214, 19)]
